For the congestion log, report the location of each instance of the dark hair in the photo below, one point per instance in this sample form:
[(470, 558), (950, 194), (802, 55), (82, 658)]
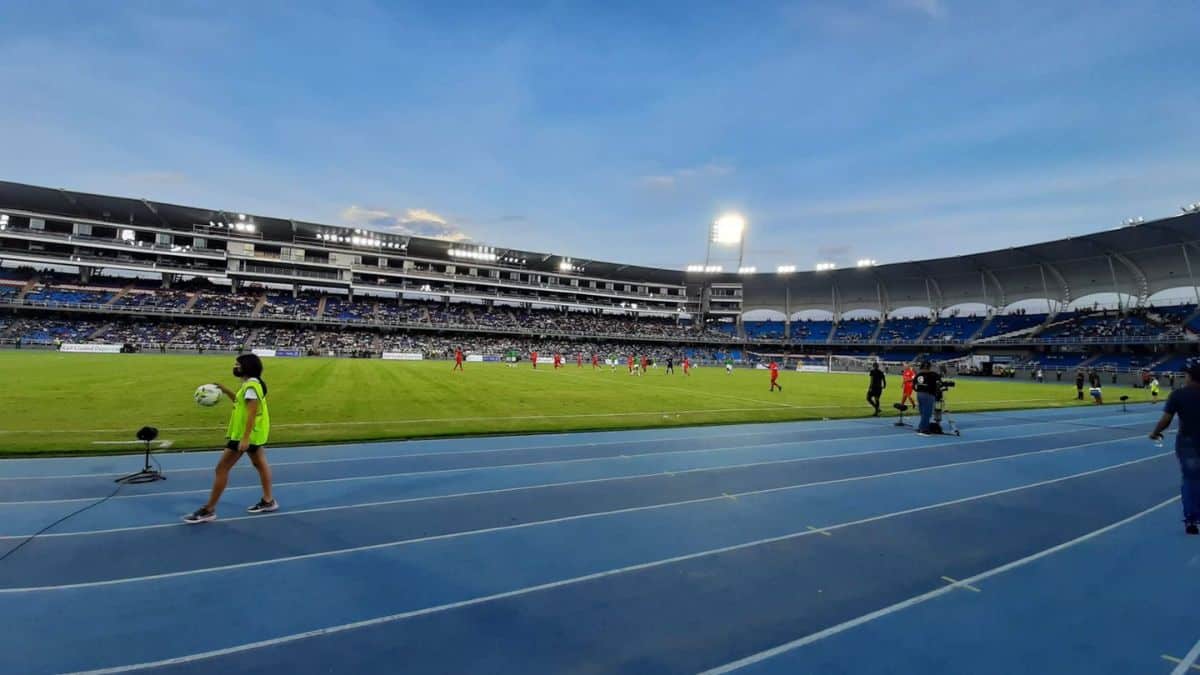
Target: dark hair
[(251, 366)]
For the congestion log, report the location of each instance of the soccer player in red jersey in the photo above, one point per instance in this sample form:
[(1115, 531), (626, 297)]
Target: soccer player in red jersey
[(631, 364), (774, 368), (458, 359), (645, 364), (557, 360), (595, 361), (533, 359), (687, 366), (908, 376), (579, 359)]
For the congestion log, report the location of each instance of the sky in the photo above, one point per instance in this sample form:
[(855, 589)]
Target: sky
[(619, 130)]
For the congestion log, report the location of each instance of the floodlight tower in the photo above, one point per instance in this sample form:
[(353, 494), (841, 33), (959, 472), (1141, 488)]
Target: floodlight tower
[(728, 230)]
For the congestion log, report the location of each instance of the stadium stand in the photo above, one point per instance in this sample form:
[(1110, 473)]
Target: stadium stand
[(1004, 324), (954, 329), (764, 330), (903, 330), (855, 330), (811, 331), (421, 292)]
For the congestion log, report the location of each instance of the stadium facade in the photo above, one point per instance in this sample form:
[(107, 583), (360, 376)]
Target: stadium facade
[(105, 242)]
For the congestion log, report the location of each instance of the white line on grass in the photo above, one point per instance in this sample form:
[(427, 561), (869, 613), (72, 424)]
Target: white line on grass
[(320, 481), (199, 656), (705, 393), (582, 516), (924, 597)]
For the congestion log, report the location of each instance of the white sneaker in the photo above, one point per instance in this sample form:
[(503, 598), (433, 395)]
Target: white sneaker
[(264, 506)]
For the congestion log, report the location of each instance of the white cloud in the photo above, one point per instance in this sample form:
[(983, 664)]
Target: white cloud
[(934, 9), (677, 177), (416, 222)]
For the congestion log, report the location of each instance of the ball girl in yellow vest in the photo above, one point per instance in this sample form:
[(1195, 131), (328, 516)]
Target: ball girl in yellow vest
[(249, 426)]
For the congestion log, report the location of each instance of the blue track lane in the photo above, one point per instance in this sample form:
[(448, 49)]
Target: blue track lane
[(50, 560), (585, 561), (1114, 604), (686, 616)]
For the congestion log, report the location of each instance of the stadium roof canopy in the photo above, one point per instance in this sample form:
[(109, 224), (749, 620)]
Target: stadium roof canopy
[(1138, 260)]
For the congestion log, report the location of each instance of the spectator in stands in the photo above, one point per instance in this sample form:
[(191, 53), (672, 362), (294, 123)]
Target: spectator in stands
[(1185, 402)]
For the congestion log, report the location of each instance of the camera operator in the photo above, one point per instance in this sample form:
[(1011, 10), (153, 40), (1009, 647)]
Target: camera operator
[(929, 390)]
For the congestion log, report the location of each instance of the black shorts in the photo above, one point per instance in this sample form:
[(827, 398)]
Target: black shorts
[(233, 445), (874, 393)]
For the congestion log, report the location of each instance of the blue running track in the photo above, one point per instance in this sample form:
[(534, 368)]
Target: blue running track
[(1039, 541)]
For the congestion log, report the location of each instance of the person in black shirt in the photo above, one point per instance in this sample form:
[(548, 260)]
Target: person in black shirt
[(1185, 402), (670, 366), (928, 390), (1079, 385), (875, 389)]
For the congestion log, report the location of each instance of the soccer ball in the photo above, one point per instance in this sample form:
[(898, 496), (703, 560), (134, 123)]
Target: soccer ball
[(207, 395)]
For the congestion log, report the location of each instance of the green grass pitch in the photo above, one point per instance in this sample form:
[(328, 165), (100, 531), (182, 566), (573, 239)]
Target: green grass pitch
[(66, 403)]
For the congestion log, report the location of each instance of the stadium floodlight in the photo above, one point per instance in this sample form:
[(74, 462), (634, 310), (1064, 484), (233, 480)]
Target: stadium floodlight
[(826, 266), (1134, 221), (785, 269), (866, 262), (241, 216), (1191, 208), (728, 229), (695, 268), (250, 227), (747, 270), (713, 268), (128, 235)]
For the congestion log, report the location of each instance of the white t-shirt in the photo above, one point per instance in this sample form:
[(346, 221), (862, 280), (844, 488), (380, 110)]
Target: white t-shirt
[(250, 394)]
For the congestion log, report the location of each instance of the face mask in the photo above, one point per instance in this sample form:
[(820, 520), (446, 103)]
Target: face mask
[(237, 371)]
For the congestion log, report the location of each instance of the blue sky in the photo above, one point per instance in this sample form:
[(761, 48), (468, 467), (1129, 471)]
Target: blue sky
[(889, 129)]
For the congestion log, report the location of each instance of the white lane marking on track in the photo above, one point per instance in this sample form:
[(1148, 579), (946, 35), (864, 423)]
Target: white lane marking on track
[(1177, 660), (1188, 661), (323, 481), (247, 467), (924, 597), (582, 516), (487, 451), (190, 658), (960, 584), (484, 418)]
